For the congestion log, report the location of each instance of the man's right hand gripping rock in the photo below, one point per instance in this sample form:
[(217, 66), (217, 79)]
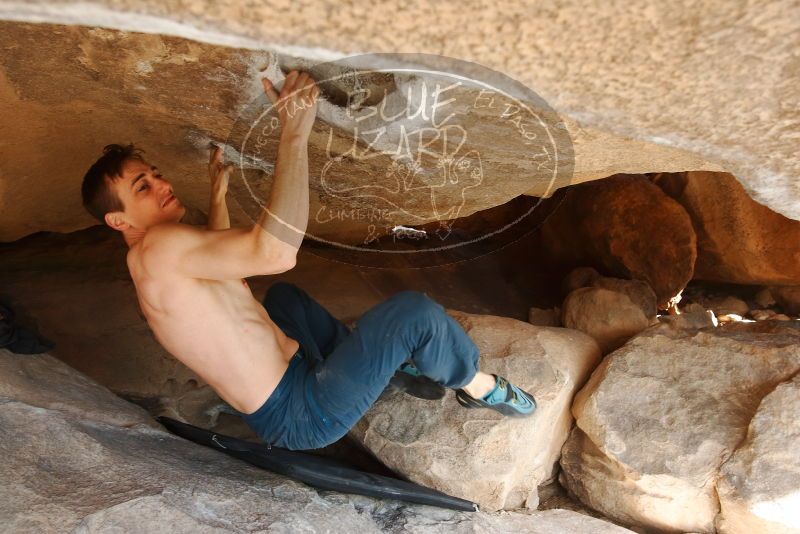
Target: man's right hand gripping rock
[(296, 105)]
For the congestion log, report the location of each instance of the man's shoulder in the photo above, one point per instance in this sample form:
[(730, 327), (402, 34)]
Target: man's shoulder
[(168, 232), (164, 242), (165, 229)]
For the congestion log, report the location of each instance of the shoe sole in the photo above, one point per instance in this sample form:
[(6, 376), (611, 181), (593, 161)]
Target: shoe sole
[(421, 387), (468, 401)]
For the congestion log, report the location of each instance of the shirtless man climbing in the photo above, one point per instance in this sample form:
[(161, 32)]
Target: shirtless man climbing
[(298, 376)]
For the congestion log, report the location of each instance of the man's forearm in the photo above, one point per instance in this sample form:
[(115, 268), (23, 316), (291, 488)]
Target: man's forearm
[(286, 214), (218, 218)]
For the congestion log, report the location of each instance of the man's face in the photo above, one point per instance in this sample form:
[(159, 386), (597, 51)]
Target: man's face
[(148, 198)]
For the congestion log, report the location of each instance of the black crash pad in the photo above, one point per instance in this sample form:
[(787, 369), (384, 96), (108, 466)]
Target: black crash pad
[(317, 471)]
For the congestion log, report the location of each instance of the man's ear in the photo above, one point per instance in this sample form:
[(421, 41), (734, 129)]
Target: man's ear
[(116, 220)]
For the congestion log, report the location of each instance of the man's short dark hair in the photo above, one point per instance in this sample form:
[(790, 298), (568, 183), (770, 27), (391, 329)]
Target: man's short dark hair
[(98, 196)]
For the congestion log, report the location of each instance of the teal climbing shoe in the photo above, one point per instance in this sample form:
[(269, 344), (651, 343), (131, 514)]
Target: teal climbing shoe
[(409, 380), (505, 398)]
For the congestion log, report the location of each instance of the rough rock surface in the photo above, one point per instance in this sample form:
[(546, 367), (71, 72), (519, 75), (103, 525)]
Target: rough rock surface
[(759, 490), (154, 78), (761, 315), (544, 317), (787, 297), (705, 50), (609, 317), (639, 292), (578, 277), (618, 96), (738, 239), (479, 454), (627, 227), (764, 298), (692, 317), (660, 415), (111, 75), (728, 305), (78, 459)]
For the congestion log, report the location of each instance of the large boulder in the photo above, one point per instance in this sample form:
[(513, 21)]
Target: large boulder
[(692, 317), (544, 317), (611, 310), (626, 227), (759, 490), (727, 305), (611, 318), (76, 458), (632, 119), (738, 239), (638, 291), (660, 416), (787, 297), (354, 195), (479, 454)]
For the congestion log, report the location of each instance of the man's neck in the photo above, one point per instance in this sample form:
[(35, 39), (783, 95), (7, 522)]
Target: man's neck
[(133, 236)]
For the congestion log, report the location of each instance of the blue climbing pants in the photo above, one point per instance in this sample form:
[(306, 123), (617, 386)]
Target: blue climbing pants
[(337, 374)]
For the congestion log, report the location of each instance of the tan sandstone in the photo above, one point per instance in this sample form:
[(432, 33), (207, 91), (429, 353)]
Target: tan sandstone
[(788, 298), (638, 291), (611, 318), (759, 490), (660, 416), (738, 239), (621, 105), (626, 227)]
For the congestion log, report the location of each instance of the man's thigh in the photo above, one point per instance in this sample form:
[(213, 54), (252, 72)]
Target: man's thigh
[(352, 378), (354, 375)]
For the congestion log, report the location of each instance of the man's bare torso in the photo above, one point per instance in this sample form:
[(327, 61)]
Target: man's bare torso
[(217, 329)]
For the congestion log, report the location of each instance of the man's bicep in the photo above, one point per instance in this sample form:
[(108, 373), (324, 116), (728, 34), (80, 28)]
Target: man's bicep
[(228, 254)]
